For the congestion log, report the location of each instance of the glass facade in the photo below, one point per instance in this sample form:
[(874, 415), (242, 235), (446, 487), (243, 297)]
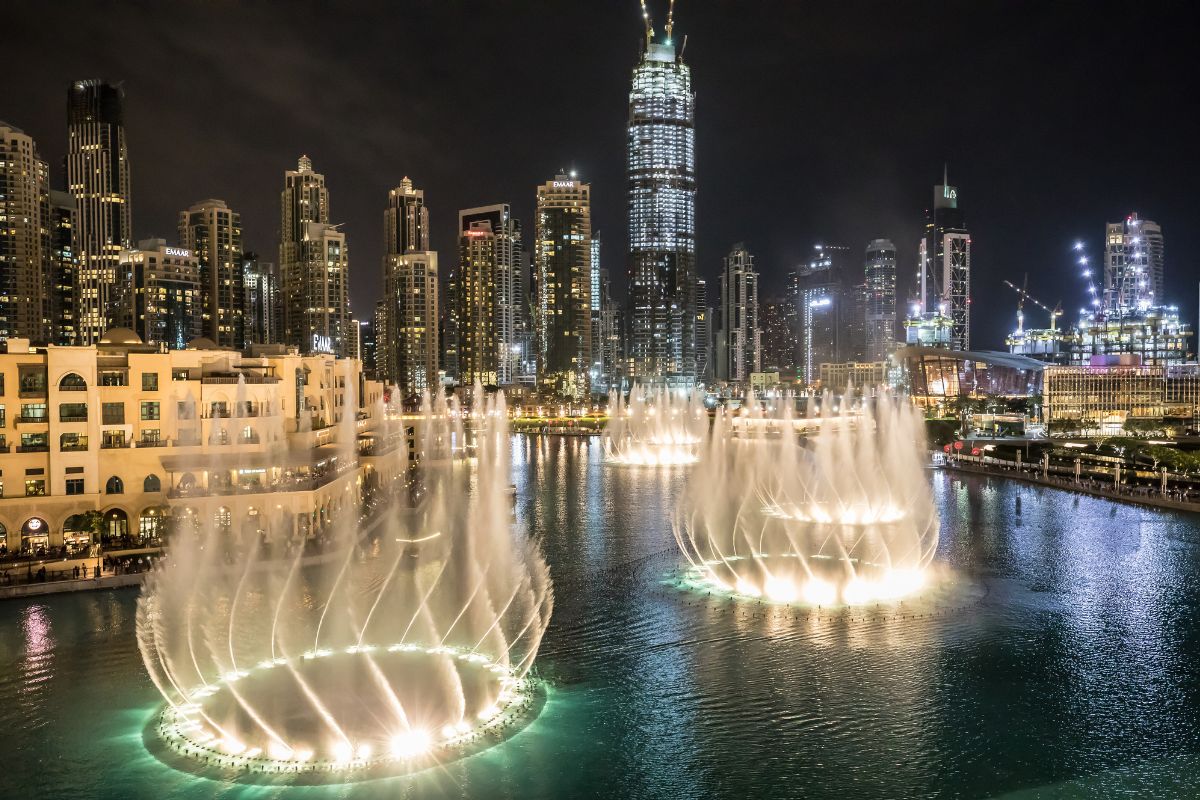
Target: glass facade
[(662, 226)]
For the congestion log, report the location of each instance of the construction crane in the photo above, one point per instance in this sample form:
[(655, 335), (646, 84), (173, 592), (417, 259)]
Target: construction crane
[(1054, 313)]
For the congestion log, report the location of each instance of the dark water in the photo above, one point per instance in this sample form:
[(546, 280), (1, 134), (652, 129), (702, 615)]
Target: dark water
[(1071, 670)]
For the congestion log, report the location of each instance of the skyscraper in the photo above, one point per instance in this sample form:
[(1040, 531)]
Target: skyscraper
[(314, 266), (166, 300), (705, 318), (260, 287), (598, 383), (944, 257), (880, 270), (98, 178), (26, 288), (213, 232), (662, 228), (1133, 264), (563, 263), (407, 351), (824, 310), (490, 257), (64, 256), (740, 340), (778, 341)]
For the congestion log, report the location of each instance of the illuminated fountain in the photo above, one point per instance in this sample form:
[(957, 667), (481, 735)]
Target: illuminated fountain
[(383, 653), (659, 427), (832, 508)]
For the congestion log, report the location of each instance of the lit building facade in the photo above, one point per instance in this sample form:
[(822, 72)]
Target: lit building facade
[(563, 265), (740, 340), (270, 442), (26, 249), (1098, 398), (825, 308), (662, 210), (167, 300), (64, 258), (1133, 264), (855, 375), (407, 350), (1155, 334), (944, 260), (491, 254), (314, 266), (213, 232), (880, 311), (263, 312), (98, 178), (778, 339), (937, 377)]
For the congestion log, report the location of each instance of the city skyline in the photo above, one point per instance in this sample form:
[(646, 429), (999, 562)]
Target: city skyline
[(867, 185)]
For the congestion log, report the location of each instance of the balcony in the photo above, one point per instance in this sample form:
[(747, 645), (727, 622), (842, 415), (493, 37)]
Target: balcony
[(118, 444), (72, 417), (73, 448), (41, 419), (233, 379), (32, 391), (302, 484), (152, 442), (71, 388), (33, 448), (5, 448)]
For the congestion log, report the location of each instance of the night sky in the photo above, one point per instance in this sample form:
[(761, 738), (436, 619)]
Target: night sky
[(815, 121)]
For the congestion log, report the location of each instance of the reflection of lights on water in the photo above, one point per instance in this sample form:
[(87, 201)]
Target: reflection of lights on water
[(887, 585), (861, 514), (188, 735)]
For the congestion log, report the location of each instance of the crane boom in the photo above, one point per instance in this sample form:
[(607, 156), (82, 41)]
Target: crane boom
[(1054, 313)]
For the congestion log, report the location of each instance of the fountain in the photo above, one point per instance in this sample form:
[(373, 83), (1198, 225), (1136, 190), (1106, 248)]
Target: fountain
[(655, 427), (407, 639), (830, 508)]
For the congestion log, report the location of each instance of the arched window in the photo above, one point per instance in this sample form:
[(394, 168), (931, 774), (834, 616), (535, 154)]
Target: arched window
[(114, 486), (152, 484), (72, 382)]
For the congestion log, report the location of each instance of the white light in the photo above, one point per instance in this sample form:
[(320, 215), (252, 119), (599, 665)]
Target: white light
[(412, 743), (856, 591), (363, 752), (744, 586), (819, 592), (279, 751), (342, 752), (489, 712), (780, 589)]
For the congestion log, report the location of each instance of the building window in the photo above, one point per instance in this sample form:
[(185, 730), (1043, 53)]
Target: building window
[(33, 412), (114, 486), (33, 381), (113, 439), (72, 412), (72, 382), (151, 436), (113, 413), (35, 487), (149, 381), (34, 442), (1, 384), (152, 484), (150, 410), (74, 485), (72, 443), (3, 420), (114, 378), (179, 374)]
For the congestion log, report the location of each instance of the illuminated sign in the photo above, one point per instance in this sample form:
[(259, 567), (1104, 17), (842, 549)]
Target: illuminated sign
[(34, 524), (322, 344), (949, 192), (178, 251), (563, 184)]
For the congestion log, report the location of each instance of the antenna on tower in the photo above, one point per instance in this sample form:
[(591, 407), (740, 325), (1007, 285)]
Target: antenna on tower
[(649, 25), (670, 20)]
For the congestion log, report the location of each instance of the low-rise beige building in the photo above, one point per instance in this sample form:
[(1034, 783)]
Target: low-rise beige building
[(125, 437)]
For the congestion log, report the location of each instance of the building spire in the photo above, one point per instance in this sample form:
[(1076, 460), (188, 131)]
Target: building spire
[(945, 173), (670, 20)]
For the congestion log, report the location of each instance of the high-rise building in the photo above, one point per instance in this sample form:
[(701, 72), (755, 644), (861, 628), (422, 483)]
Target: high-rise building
[(880, 271), (944, 258), (368, 348), (825, 310), (261, 303), (26, 249), (407, 351), (778, 342), (662, 227), (563, 263), (612, 362), (705, 318), (597, 370), (409, 356), (448, 329), (490, 258), (1133, 264), (64, 258), (98, 178), (167, 300), (740, 340), (213, 232), (314, 266)]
